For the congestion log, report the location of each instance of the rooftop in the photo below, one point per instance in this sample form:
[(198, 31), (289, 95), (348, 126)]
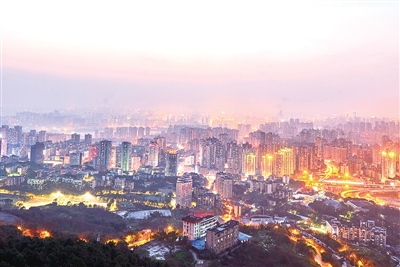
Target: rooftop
[(224, 226), (192, 219)]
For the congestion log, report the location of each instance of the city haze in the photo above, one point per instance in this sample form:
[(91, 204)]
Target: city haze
[(304, 58)]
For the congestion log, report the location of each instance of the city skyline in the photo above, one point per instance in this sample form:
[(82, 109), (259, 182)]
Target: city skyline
[(304, 58), (212, 133)]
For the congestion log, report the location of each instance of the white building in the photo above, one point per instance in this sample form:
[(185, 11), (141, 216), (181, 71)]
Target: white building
[(195, 227)]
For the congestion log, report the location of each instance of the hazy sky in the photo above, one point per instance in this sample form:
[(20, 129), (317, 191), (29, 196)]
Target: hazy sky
[(304, 57)]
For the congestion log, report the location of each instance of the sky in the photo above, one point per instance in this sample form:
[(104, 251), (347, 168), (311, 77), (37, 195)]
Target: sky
[(258, 57)]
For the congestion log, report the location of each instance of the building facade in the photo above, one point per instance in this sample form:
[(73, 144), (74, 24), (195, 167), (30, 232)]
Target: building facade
[(222, 237), (184, 191), (195, 227)]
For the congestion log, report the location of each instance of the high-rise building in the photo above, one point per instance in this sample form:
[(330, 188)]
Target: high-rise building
[(162, 158), (104, 153), (225, 188), (161, 142), (118, 157), (75, 159), (303, 161), (42, 137), (32, 139), (12, 138), (135, 163), (172, 163), (133, 132), (126, 148), (76, 138), (212, 154), (113, 158), (37, 152), (266, 165), (284, 162), (318, 147), (257, 138), (93, 152), (88, 139), (184, 191), (122, 132), (3, 146), (153, 154), (388, 165), (147, 131), (3, 131), (224, 185), (234, 160), (249, 163), (140, 132), (108, 132), (18, 131)]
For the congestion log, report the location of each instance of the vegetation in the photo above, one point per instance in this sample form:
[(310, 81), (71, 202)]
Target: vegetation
[(75, 219), (270, 246), (17, 250), (321, 208), (370, 257), (329, 241), (181, 258), (257, 255)]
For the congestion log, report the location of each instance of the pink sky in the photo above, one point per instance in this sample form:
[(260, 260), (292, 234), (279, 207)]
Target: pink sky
[(304, 58)]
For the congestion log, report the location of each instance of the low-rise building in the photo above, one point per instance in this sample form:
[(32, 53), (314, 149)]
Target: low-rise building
[(222, 237), (36, 182), (365, 232), (195, 227), (208, 199)]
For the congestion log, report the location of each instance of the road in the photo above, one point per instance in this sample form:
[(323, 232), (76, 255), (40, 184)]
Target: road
[(319, 242), (396, 259), (198, 261), (366, 193)]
